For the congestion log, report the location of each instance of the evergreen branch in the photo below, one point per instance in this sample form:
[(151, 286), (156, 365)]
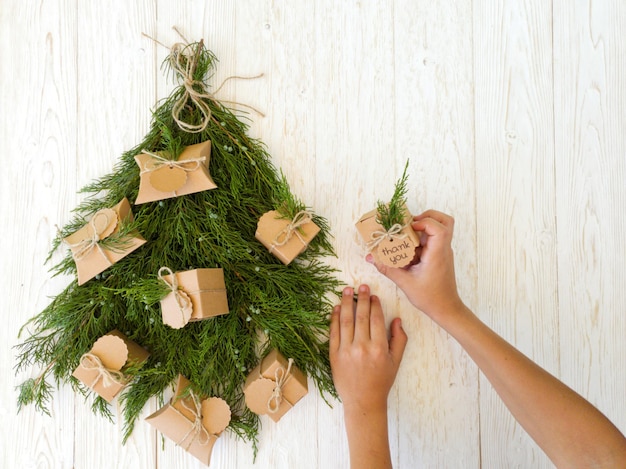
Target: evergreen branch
[(393, 212)]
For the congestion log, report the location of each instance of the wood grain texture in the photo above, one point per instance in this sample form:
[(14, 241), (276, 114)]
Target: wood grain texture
[(515, 203), (510, 113), (590, 112)]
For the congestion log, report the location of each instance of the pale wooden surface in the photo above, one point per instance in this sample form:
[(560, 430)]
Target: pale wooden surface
[(512, 115)]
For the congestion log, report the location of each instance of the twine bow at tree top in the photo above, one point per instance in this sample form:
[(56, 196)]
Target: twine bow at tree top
[(281, 377), (86, 245), (301, 218), (158, 162), (379, 236), (183, 302), (185, 65), (197, 432), (90, 361)]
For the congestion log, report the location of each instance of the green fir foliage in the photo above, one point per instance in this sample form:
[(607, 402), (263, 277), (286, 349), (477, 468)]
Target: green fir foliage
[(393, 212), (271, 305)]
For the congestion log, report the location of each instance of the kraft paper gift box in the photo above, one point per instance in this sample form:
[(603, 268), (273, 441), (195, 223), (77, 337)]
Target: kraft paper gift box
[(191, 422), (161, 178), (102, 368), (274, 386), (196, 294), (91, 256), (286, 238), (395, 248)]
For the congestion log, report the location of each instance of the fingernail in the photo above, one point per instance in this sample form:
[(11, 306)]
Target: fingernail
[(363, 288), (369, 258), (348, 291)]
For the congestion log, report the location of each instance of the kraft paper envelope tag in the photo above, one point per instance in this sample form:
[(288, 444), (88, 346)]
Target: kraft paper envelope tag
[(215, 415), (396, 251), (160, 178), (258, 393), (105, 222), (176, 312), (168, 178), (112, 351)]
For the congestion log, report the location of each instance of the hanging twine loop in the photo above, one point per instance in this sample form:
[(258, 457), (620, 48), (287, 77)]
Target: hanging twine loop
[(158, 162), (301, 218), (281, 377), (109, 377), (197, 432), (182, 301), (85, 246), (379, 236)]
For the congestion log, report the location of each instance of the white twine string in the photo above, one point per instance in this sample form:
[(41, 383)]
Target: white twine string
[(197, 432), (86, 245), (281, 377), (159, 162), (90, 361), (181, 301), (379, 236), (301, 218)]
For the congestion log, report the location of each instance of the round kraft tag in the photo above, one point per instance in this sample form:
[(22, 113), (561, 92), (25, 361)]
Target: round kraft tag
[(396, 252), (168, 178)]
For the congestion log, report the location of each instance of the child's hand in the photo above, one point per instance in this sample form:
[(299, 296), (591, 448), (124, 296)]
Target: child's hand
[(429, 285), (363, 361)]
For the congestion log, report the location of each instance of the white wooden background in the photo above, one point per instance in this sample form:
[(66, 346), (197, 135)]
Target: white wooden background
[(511, 112)]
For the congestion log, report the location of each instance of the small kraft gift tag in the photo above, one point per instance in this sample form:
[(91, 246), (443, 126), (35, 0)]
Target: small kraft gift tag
[(93, 258), (195, 295), (192, 422), (286, 238), (274, 386), (162, 178), (102, 368), (394, 247)]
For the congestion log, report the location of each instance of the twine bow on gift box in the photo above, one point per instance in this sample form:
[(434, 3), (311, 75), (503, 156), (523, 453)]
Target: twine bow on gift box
[(109, 377), (159, 162), (86, 245), (182, 300), (197, 432), (284, 236), (379, 236), (281, 377)]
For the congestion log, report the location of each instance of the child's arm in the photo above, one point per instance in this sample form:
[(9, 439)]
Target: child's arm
[(364, 365), (569, 429)]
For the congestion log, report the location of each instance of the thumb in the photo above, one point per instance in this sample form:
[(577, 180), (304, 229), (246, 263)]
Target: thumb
[(397, 276), (398, 341)]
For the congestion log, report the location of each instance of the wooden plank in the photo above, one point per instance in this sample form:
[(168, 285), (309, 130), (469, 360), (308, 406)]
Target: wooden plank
[(355, 162), (590, 71), (115, 86), (38, 141), (515, 195), (438, 386)]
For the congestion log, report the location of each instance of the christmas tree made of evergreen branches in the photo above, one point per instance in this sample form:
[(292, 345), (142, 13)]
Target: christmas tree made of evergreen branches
[(271, 305)]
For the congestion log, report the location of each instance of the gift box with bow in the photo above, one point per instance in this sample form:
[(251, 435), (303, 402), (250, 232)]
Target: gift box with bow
[(102, 368), (286, 238), (95, 247), (274, 386), (192, 422), (195, 295), (160, 177), (394, 247)]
